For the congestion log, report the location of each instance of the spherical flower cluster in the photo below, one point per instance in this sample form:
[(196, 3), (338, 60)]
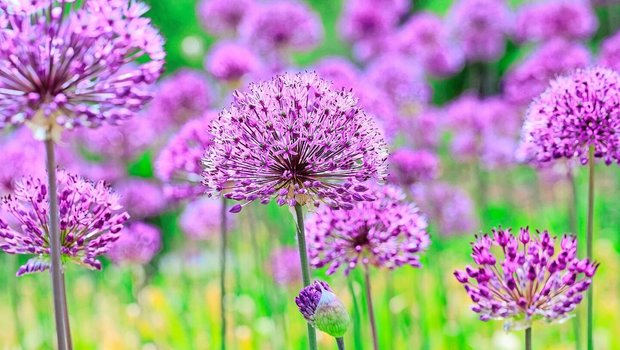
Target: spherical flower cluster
[(449, 207), (408, 166), (298, 140), (530, 78), (223, 17), (610, 52), (576, 112), (282, 25), (481, 27), (137, 245), (201, 219), (528, 281), (285, 266), (179, 163), (388, 232), (339, 71), (230, 62), (568, 19), (322, 309), (90, 220), (141, 197), (64, 67)]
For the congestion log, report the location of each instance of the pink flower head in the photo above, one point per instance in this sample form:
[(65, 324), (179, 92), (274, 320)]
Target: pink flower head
[(568, 19), (223, 17), (342, 73), (142, 197), (22, 155), (230, 62), (449, 208), (408, 167), (201, 219), (138, 244), (610, 52)]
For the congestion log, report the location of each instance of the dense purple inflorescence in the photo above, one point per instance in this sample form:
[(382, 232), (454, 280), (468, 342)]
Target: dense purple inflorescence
[(296, 139), (65, 65), (223, 17), (230, 62), (529, 281), (388, 232), (141, 197), (137, 245), (408, 166), (90, 220), (576, 112), (201, 219)]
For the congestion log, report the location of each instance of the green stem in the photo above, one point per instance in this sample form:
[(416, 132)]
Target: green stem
[(223, 247), (357, 333), (528, 339), (15, 302), (589, 237), (305, 268), (371, 311), (340, 343), (574, 228)]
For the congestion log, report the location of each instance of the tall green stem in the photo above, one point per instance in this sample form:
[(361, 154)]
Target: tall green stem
[(528, 339), (223, 247), (305, 268), (371, 311), (61, 314), (574, 229), (589, 242), (340, 343)]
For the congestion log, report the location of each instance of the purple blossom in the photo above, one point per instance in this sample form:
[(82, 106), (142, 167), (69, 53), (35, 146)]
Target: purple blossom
[(201, 219), (63, 67), (179, 163), (408, 166), (568, 19), (531, 77), (230, 62), (576, 112), (423, 129), (24, 154), (481, 27), (378, 103), (142, 197), (308, 299), (90, 220), (322, 309), (610, 52), (223, 17), (339, 71), (285, 266), (296, 139), (388, 232), (522, 280), (448, 207), (138, 243)]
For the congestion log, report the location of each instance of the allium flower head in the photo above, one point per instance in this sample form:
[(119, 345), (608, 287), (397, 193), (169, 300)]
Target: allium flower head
[(296, 139), (522, 280), (223, 17), (408, 166), (230, 61), (141, 197), (179, 163), (568, 19), (610, 52), (342, 73), (448, 207), (64, 64), (282, 25), (137, 245), (285, 266), (322, 309), (388, 232), (90, 220), (201, 219), (423, 129), (576, 112)]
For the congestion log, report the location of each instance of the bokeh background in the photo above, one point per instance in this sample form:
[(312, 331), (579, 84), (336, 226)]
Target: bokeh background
[(172, 302)]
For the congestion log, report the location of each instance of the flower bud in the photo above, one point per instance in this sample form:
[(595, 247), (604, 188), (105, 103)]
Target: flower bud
[(322, 309)]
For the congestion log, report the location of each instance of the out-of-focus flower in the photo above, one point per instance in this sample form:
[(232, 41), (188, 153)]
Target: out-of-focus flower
[(529, 281), (568, 19), (179, 163), (408, 166), (296, 139), (90, 220), (138, 243), (282, 25), (423, 129), (180, 97), (531, 77), (64, 67), (481, 27), (339, 71), (378, 104), (21, 155), (223, 17), (388, 232), (230, 62), (141, 197), (426, 37), (322, 309), (285, 266), (576, 112), (610, 52), (201, 219), (448, 207)]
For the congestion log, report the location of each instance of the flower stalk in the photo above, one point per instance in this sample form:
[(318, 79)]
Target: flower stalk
[(305, 268), (371, 311), (589, 238), (223, 247), (340, 343), (528, 338)]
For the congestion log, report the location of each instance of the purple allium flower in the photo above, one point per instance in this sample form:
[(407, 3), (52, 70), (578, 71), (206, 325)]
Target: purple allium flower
[(530, 78), (388, 232), (576, 112), (378, 103), (231, 61), (282, 25), (423, 129), (141, 197), (90, 220), (201, 219), (568, 19), (22, 155), (610, 52), (67, 66), (481, 27), (322, 309), (138, 243), (223, 17), (448, 207), (408, 166), (341, 72), (285, 266), (522, 280), (180, 97), (296, 139), (179, 163), (426, 37)]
